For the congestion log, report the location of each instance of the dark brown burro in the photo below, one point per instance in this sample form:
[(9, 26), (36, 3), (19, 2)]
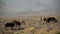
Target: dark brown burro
[(10, 24), (14, 23), (53, 19)]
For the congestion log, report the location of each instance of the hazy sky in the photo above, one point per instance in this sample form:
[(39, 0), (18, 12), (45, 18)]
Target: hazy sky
[(15, 7)]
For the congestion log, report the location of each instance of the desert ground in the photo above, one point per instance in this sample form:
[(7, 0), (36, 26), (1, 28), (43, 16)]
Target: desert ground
[(32, 25)]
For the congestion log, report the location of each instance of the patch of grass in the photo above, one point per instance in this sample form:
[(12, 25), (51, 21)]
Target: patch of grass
[(54, 32), (57, 33), (21, 31)]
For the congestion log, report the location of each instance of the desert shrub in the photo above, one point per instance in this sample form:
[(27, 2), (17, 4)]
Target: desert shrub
[(30, 30), (57, 33), (41, 31), (21, 31), (54, 32), (5, 32)]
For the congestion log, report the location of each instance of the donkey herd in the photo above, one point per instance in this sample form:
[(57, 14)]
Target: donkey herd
[(19, 23)]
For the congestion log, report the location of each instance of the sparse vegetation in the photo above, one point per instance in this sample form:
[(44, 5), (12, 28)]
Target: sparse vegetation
[(32, 26), (57, 32)]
